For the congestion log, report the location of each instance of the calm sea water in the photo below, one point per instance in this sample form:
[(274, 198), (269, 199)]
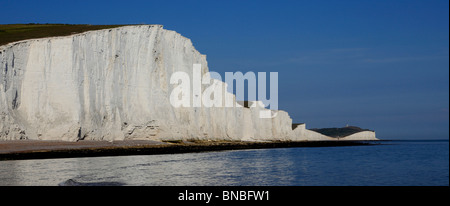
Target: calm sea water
[(392, 163)]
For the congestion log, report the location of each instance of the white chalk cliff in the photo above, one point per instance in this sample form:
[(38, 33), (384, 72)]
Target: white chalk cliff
[(113, 84)]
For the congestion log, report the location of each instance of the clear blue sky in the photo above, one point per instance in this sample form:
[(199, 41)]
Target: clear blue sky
[(378, 64)]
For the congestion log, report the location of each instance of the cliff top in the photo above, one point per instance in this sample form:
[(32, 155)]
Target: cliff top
[(340, 132), (17, 32)]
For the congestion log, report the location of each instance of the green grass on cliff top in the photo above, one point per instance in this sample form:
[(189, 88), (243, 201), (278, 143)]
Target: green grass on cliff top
[(340, 132), (17, 32)]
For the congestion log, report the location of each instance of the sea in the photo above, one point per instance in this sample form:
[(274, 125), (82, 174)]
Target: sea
[(387, 163)]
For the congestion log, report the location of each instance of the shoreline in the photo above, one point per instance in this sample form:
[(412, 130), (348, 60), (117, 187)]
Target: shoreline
[(29, 149)]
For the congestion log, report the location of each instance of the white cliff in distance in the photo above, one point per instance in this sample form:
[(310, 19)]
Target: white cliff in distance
[(113, 84)]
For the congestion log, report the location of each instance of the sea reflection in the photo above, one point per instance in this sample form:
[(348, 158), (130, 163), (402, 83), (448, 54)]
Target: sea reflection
[(402, 163), (247, 167)]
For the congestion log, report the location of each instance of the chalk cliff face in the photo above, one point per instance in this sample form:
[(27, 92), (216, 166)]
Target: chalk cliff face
[(114, 84)]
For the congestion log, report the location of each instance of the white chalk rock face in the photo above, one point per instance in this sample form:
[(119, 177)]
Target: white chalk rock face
[(364, 135), (114, 84)]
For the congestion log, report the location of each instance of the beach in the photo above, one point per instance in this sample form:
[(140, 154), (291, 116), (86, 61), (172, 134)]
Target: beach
[(37, 149)]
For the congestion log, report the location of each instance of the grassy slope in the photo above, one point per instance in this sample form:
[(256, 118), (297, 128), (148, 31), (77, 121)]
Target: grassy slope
[(340, 132), (16, 32)]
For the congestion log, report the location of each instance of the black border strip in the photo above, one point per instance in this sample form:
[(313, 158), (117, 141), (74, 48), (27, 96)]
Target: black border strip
[(291, 195)]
